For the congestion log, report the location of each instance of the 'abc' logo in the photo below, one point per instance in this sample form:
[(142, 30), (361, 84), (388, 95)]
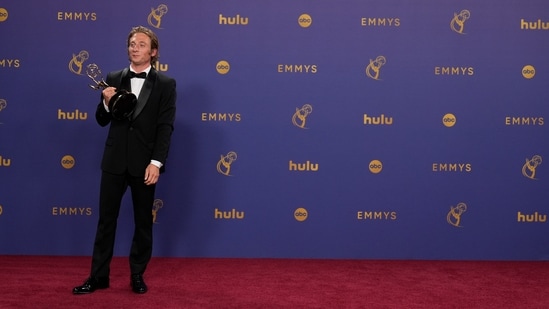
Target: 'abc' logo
[(305, 20), (449, 120), (67, 162), (3, 14), (222, 67), (528, 71), (375, 166), (301, 214)]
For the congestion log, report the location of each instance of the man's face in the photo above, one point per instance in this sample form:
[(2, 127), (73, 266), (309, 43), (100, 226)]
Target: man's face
[(139, 51)]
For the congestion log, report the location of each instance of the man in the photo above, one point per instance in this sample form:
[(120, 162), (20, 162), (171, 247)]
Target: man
[(135, 153)]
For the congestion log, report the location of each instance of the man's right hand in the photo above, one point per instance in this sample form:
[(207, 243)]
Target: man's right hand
[(108, 93)]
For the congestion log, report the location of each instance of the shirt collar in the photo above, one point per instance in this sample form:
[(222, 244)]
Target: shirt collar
[(147, 70)]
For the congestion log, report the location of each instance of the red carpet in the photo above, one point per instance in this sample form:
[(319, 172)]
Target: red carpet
[(46, 282)]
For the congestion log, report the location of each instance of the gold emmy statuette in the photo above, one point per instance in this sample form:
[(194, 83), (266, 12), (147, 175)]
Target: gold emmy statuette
[(122, 104)]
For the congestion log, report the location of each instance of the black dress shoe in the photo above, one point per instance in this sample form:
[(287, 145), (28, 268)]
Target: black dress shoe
[(90, 285), (138, 285)]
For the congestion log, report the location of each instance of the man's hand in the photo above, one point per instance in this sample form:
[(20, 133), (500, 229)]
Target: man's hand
[(108, 93), (151, 174)]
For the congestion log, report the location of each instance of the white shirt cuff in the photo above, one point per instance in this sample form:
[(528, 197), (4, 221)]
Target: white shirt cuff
[(156, 163)]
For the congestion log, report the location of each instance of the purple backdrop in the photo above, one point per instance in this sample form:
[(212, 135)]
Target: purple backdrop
[(349, 129)]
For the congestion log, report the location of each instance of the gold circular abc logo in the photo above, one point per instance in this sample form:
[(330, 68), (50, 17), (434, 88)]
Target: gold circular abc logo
[(222, 67), (67, 162), (305, 20), (1, 209), (449, 120), (301, 214), (528, 71), (3, 14), (375, 166)]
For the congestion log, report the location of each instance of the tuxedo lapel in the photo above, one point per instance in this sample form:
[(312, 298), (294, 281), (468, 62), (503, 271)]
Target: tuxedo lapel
[(125, 82), (145, 93)]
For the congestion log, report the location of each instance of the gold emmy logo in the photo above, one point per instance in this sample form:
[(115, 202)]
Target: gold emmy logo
[(3, 105), (300, 116), (67, 162), (449, 120), (222, 67), (372, 70), (305, 20), (529, 167), (3, 14), (155, 17), (77, 62), (458, 22), (301, 214), (157, 204), (1, 210), (224, 163), (454, 215), (528, 72), (375, 166)]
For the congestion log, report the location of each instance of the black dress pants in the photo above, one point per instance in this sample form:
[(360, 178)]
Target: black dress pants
[(112, 189)]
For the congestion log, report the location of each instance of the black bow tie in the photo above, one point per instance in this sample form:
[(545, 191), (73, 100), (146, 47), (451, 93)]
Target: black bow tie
[(138, 75)]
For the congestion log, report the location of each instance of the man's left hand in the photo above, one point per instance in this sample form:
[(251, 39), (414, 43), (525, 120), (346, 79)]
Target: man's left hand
[(151, 174)]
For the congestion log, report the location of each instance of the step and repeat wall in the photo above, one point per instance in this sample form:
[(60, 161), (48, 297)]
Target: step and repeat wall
[(346, 129)]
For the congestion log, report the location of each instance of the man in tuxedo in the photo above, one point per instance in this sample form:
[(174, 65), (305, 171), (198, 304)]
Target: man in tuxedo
[(135, 153)]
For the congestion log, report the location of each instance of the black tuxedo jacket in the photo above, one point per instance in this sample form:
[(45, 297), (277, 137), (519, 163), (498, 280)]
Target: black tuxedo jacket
[(132, 143)]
